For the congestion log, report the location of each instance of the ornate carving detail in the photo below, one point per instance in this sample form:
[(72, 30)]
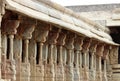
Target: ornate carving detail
[(100, 49), (69, 73), (26, 29), (78, 43), (70, 40), (93, 46), (61, 38), (76, 74), (10, 70), (39, 73), (53, 35), (86, 45), (113, 56), (106, 51), (10, 26), (41, 32), (49, 73), (25, 70)]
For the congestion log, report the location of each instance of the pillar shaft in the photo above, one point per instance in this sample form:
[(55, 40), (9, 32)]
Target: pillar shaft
[(92, 61), (69, 57), (99, 59), (85, 60), (60, 48), (50, 53), (76, 58), (40, 52), (11, 37), (25, 54)]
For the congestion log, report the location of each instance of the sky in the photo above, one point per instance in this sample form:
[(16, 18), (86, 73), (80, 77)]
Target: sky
[(84, 2)]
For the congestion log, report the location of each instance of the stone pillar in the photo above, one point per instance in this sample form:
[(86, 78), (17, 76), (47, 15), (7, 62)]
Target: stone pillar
[(9, 27), (99, 53), (3, 50), (105, 58), (17, 55), (59, 69), (40, 35), (92, 68), (49, 72), (77, 66), (25, 31), (85, 50), (32, 58), (4, 53), (69, 44)]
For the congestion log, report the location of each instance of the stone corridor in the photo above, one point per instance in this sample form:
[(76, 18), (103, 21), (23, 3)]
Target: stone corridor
[(35, 50)]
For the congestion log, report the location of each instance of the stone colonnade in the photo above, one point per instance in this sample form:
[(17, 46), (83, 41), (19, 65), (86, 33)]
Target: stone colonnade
[(37, 51)]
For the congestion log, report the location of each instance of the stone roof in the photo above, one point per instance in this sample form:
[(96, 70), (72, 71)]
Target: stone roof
[(88, 8), (50, 12)]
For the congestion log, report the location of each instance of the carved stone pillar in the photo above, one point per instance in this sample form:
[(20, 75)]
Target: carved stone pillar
[(25, 31), (4, 53), (40, 35), (69, 44), (85, 51), (99, 52), (92, 60), (17, 55), (77, 69), (9, 27), (105, 56), (49, 67), (59, 69)]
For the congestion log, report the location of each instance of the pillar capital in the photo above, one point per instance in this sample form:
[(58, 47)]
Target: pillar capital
[(86, 44), (100, 49), (41, 32), (26, 29), (78, 43), (69, 43), (61, 38), (53, 35), (106, 51), (93, 46)]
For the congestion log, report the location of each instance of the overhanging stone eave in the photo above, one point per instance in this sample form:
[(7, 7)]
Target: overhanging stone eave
[(11, 5)]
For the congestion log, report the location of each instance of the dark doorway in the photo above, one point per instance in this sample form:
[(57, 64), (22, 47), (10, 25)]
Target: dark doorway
[(115, 34)]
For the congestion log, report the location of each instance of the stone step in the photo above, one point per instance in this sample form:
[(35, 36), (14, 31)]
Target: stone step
[(5, 80)]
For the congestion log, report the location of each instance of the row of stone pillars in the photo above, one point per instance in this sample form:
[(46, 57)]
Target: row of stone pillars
[(37, 51)]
